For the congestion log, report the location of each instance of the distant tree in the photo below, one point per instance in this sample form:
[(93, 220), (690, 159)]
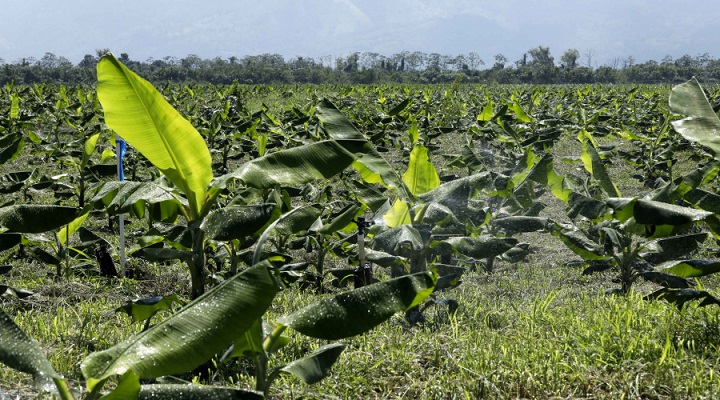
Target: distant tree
[(685, 62), (605, 74), (433, 60), (667, 60), (704, 59), (416, 60), (169, 60), (459, 62), (541, 56), (500, 61), (589, 55), (629, 62), (614, 63), (569, 58), (88, 61), (474, 60), (192, 61), (49, 60)]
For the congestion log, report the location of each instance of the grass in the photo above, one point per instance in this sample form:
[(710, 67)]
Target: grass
[(533, 329)]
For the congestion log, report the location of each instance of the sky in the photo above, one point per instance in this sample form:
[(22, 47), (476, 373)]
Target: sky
[(607, 30)]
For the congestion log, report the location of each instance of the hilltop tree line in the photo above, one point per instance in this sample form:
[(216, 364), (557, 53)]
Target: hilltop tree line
[(536, 66)]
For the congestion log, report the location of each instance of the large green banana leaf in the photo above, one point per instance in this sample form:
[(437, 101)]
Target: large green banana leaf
[(485, 246), (357, 311), (237, 222), (294, 166), (544, 173), (370, 164), (20, 352), (192, 335), (702, 124), (690, 268), (294, 221), (126, 196), (35, 218), (650, 212), (139, 113)]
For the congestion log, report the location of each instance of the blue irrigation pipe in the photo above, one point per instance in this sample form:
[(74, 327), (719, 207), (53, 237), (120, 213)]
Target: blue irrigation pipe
[(120, 149)]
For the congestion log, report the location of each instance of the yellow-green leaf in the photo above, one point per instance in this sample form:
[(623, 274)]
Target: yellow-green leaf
[(140, 114), (421, 175)]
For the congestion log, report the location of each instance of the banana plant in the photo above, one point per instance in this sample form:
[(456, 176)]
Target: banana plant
[(699, 125), (632, 236), (138, 112)]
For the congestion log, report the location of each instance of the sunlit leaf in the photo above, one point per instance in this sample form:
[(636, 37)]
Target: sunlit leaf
[(142, 309), (421, 176), (139, 113), (690, 268)]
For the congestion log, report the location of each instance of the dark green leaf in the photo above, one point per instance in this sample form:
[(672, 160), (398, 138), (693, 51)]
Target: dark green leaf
[(236, 222), (586, 206), (650, 212), (672, 248), (9, 240), (35, 218), (294, 166), (316, 365), (12, 151), (193, 334), (681, 296), (357, 311), (20, 352), (517, 224), (665, 280), (393, 240), (580, 244)]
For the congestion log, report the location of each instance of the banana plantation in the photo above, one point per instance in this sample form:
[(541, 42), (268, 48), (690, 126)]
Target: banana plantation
[(451, 241)]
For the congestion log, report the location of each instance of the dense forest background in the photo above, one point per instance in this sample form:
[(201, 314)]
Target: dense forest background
[(536, 66)]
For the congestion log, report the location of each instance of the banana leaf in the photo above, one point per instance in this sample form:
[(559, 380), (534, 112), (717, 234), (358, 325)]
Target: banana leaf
[(20, 352), (138, 112), (701, 124), (357, 311), (193, 334), (316, 365), (35, 218)]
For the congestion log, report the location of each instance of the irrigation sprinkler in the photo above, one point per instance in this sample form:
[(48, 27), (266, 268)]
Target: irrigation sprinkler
[(363, 272)]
